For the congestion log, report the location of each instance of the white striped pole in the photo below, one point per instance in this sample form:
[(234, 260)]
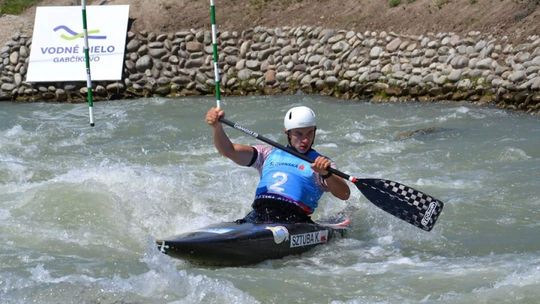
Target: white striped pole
[(89, 94), (215, 53)]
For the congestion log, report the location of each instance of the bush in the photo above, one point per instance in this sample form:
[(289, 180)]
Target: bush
[(394, 2), (15, 7)]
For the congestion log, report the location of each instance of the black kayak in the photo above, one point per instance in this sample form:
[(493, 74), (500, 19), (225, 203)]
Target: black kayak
[(231, 244)]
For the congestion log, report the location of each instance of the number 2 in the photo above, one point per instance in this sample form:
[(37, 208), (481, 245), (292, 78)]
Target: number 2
[(281, 178)]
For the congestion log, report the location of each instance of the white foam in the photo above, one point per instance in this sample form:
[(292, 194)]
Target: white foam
[(513, 154), (15, 131), (355, 137), (4, 214), (463, 109), (42, 275), (521, 277), (448, 183)]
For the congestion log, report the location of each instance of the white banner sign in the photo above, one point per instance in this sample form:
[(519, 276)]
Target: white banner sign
[(57, 52)]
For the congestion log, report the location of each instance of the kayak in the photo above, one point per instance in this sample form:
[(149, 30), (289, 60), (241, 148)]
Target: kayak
[(231, 244)]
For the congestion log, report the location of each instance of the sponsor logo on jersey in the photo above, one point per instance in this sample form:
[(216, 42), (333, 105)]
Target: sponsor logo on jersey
[(278, 163), (310, 238)]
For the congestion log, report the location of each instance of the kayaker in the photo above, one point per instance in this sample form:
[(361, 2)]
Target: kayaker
[(289, 188)]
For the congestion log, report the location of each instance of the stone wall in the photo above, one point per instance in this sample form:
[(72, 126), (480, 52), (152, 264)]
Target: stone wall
[(376, 66)]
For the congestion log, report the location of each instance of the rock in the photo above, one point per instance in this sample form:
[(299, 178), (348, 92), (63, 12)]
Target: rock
[(454, 75), (340, 47), (299, 67), (144, 63), (135, 77), (535, 83), (430, 53), (350, 74), (244, 74), (270, 77), (517, 76), (23, 52), (195, 63), (17, 79), (70, 87), (157, 53), (14, 58), (415, 80), (100, 91), (464, 84), (8, 87), (253, 64), (194, 46), (48, 95), (522, 57), (161, 37), (115, 87), (264, 54), (326, 34), (459, 62), (288, 50), (484, 63), (393, 45), (181, 80), (411, 47), (173, 60), (133, 45), (244, 48), (163, 90), (163, 81), (155, 45), (306, 80), (143, 50), (315, 59), (4, 51), (282, 76), (130, 66), (331, 80), (375, 52)]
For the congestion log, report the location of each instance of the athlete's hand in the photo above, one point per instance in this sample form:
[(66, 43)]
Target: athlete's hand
[(213, 115), (321, 165)]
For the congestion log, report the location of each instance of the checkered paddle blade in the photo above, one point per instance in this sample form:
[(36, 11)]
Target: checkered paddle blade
[(402, 201)]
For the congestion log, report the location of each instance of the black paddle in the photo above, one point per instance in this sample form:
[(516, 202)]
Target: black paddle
[(406, 203)]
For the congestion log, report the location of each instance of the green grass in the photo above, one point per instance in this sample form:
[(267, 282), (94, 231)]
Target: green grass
[(394, 3), (15, 7)]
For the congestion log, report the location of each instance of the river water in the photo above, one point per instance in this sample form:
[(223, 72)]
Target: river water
[(80, 207)]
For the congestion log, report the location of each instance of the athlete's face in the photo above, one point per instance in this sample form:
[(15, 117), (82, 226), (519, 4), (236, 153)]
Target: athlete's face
[(302, 138)]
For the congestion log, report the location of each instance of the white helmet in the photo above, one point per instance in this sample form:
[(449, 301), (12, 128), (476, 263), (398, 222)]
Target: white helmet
[(299, 117)]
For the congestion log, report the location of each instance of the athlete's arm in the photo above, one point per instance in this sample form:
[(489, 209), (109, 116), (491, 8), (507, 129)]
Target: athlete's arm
[(337, 185), (240, 154)]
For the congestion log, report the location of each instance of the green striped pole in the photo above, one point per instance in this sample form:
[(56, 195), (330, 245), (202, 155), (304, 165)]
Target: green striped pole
[(89, 94), (215, 52)]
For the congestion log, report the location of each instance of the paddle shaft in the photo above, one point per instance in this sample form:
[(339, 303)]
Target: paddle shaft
[(282, 147)]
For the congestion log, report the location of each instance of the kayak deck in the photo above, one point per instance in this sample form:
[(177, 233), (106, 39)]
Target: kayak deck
[(228, 244)]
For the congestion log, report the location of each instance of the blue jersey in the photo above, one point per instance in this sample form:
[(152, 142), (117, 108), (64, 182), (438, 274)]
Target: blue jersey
[(288, 177)]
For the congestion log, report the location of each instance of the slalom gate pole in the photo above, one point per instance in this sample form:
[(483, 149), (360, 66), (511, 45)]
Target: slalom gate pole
[(89, 94), (215, 53)]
